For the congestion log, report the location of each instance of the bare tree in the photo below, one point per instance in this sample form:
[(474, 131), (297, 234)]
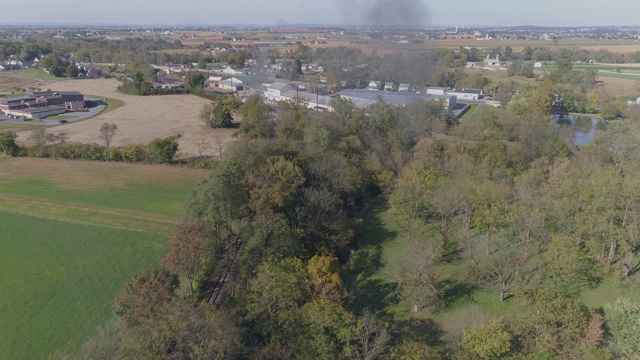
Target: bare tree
[(107, 132), (57, 139), (203, 143), (39, 139), (371, 337), (218, 143)]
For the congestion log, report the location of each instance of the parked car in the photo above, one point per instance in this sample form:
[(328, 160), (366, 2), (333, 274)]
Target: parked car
[(62, 121)]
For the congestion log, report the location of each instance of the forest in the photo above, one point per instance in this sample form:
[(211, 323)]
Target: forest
[(273, 258)]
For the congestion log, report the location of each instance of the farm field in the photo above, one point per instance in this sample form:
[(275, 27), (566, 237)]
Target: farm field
[(141, 118), (9, 83), (72, 234)]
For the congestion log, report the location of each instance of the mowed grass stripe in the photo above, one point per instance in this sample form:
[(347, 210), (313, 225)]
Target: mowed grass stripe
[(81, 215), (58, 280), (152, 200)]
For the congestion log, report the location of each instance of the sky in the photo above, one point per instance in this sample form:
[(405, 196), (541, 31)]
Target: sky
[(273, 12)]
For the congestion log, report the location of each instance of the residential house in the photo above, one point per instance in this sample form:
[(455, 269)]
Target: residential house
[(214, 81), (375, 85), (93, 72), (10, 67), (404, 87)]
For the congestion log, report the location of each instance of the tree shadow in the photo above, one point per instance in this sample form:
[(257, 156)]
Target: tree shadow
[(425, 331), (365, 286), (454, 291)]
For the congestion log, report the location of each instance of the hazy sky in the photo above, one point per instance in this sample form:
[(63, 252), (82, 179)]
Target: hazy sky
[(427, 12)]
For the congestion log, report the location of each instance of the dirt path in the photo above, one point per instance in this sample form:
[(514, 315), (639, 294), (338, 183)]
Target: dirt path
[(142, 118)]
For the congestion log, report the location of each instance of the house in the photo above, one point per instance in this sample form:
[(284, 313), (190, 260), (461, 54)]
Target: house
[(538, 65), (10, 67), (93, 72), (388, 86), (231, 84), (404, 87), (316, 68), (466, 94), (436, 90), (230, 71), (214, 81), (375, 85)]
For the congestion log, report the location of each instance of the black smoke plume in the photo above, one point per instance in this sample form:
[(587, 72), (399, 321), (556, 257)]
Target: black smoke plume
[(386, 13)]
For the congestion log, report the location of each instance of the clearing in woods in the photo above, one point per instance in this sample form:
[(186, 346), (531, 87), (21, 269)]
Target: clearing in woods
[(72, 233), (142, 118)]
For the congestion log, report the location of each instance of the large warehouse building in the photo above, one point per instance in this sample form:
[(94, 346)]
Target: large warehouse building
[(42, 104)]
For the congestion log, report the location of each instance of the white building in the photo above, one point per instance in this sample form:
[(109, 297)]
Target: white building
[(275, 91)]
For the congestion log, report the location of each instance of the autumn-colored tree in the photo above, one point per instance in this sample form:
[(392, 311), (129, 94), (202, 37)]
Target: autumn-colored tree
[(487, 342), (142, 295), (181, 330), (325, 278), (187, 250), (413, 350)]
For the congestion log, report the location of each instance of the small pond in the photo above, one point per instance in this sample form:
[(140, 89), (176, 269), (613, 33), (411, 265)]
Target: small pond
[(579, 130)]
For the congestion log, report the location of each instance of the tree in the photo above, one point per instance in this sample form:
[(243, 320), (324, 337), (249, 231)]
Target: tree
[(181, 330), (145, 293), (8, 143), (256, 120), (487, 342), (371, 337), (194, 81), (39, 139), (325, 331), (415, 277), (216, 115), (325, 278), (187, 250), (557, 326), (275, 294), (107, 132), (296, 70), (72, 71), (623, 323), (162, 151), (413, 350)]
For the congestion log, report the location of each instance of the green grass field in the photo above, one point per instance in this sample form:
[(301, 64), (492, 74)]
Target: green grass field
[(32, 73), (72, 234)]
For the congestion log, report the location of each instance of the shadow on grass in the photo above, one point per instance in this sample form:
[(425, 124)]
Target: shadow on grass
[(455, 291), (425, 331), (366, 287)]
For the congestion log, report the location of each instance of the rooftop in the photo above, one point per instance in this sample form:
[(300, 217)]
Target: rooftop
[(389, 97)]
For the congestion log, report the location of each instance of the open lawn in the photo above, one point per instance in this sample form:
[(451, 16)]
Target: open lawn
[(72, 234), (141, 119)]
